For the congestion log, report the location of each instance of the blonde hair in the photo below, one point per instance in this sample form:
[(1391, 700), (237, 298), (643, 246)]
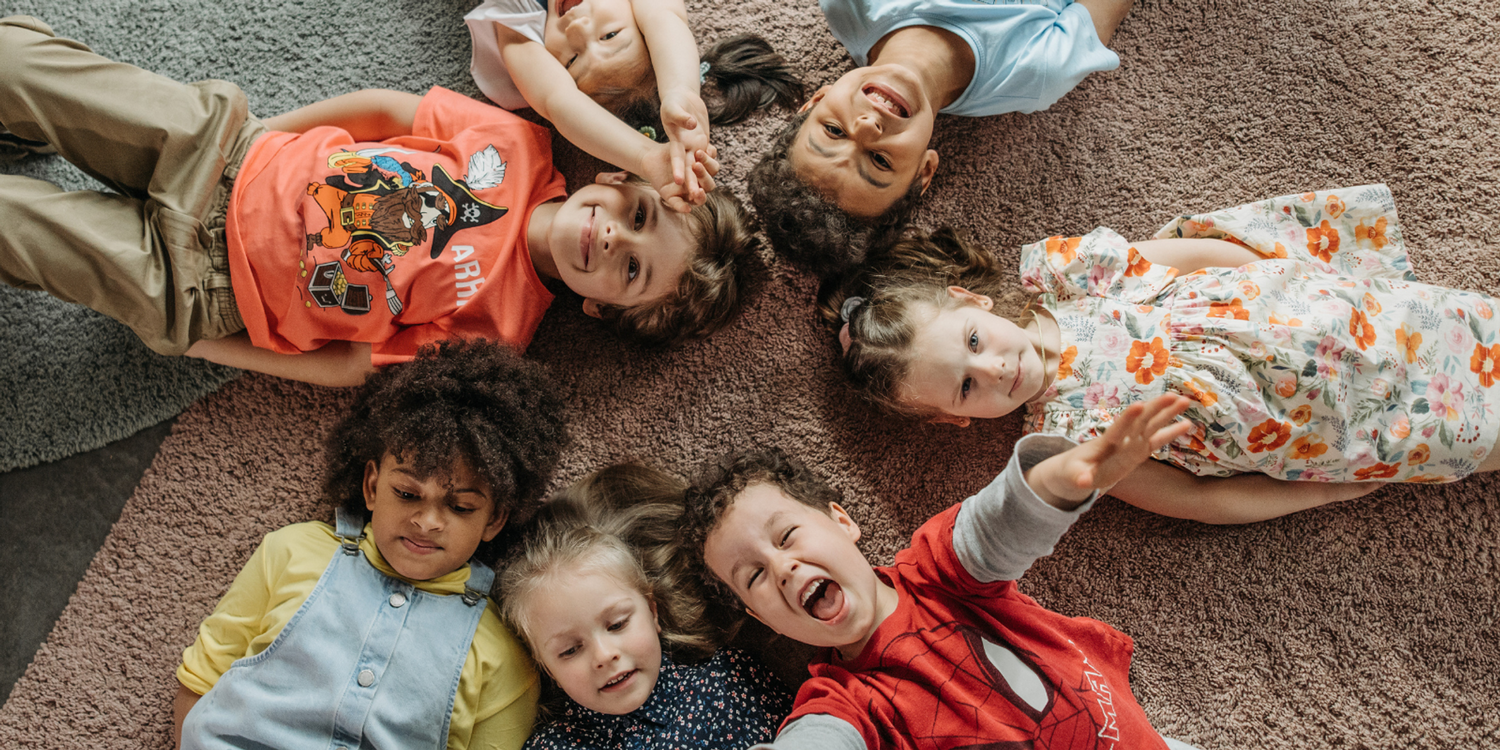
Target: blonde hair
[(620, 521), (911, 276)]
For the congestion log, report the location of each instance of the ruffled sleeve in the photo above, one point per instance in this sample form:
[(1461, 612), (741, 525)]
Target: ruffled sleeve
[(1350, 232), (1098, 264)]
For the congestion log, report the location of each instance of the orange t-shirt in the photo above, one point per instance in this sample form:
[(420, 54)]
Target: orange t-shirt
[(399, 243)]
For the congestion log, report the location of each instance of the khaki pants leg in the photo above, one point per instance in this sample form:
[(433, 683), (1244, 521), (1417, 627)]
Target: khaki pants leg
[(152, 257)]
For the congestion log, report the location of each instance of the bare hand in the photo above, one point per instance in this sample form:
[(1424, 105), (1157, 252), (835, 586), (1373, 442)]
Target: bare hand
[(1098, 464)]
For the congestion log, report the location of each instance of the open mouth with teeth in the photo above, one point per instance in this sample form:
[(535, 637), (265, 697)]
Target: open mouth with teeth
[(563, 6), (823, 599), (620, 680), (887, 100)]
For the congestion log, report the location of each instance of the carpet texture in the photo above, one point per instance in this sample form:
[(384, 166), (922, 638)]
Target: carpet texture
[(1371, 624)]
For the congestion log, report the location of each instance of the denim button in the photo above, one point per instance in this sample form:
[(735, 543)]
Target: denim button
[(398, 599), (366, 678)]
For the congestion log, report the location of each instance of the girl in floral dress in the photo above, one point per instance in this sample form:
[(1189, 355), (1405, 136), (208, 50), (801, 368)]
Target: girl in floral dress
[(1296, 325)]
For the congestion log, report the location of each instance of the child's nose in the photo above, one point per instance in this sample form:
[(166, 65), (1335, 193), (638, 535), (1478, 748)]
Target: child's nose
[(866, 126)]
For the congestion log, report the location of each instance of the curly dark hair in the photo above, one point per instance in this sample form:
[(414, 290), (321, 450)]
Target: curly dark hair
[(712, 289), (473, 401), (710, 496), (806, 226)]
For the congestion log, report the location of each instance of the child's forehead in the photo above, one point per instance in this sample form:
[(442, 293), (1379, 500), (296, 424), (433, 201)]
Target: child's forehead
[(454, 472)]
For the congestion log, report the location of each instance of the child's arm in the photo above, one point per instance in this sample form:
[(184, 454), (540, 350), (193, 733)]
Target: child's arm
[(1107, 15), (1019, 517), (181, 705), (1170, 491), (674, 56), (548, 88), (337, 364), (368, 115), (1067, 479), (1191, 254)]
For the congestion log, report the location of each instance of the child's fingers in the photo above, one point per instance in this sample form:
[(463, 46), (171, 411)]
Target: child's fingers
[(1164, 410), (708, 159), (705, 180)]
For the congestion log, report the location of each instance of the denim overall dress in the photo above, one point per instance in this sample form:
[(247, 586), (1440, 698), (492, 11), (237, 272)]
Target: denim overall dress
[(368, 661)]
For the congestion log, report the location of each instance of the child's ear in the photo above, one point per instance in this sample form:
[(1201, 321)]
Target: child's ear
[(950, 419), (963, 295), (372, 473), (751, 612), (496, 524), (844, 520), (611, 178), (814, 99), (591, 309), (928, 169), (654, 619)]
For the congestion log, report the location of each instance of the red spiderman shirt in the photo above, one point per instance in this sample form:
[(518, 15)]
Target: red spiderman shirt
[(965, 665)]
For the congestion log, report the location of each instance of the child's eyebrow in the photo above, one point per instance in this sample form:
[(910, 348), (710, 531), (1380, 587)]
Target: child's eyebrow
[(859, 167)]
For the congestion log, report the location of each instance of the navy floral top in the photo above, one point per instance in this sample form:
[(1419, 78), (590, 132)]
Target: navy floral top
[(728, 702)]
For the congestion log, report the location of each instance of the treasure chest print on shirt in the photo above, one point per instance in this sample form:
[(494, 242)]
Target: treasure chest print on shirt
[(985, 674), (378, 210)]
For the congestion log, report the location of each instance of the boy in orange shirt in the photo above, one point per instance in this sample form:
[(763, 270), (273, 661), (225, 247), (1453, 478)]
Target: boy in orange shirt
[(342, 235)]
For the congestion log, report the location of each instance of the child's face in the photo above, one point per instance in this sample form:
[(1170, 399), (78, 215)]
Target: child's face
[(597, 637), (426, 527), (797, 569), (616, 243), (593, 38), (865, 139), (969, 362)]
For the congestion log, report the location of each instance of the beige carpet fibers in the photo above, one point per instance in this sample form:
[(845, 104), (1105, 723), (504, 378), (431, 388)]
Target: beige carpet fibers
[(1369, 625)]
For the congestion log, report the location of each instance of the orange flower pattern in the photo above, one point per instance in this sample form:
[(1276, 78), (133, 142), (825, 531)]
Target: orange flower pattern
[(1333, 364)]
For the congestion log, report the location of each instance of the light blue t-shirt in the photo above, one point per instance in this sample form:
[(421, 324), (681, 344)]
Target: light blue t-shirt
[(1027, 53)]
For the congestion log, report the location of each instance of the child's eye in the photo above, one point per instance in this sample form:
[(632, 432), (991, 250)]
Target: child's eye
[(753, 577), (964, 390), (974, 341), (787, 535), (569, 652), (462, 510), (640, 218), (632, 270), (833, 130), (880, 160), (570, 62), (609, 36), (404, 495), (618, 625)]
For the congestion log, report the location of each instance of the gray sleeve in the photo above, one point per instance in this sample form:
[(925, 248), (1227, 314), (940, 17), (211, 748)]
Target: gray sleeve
[(816, 732), (1002, 530), (1178, 744)]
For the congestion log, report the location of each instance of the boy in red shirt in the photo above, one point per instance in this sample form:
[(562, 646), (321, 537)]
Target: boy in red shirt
[(342, 235), (940, 651)]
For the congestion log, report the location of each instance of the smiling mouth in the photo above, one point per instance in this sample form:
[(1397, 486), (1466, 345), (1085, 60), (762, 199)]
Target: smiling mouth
[(822, 598), (888, 100), (1015, 382), (563, 6), (619, 680), (586, 239)]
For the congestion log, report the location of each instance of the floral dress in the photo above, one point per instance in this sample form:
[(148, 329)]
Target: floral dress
[(1325, 361)]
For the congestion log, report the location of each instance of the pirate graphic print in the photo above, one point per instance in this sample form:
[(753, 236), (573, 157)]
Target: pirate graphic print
[(378, 208)]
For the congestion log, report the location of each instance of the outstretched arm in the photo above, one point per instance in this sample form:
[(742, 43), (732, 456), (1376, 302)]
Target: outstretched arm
[(674, 56), (1191, 254), (337, 364), (368, 115), (1069, 478), (548, 88), (1247, 498), (1107, 15)]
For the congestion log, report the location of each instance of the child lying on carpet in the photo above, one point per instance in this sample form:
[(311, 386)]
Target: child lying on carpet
[(941, 650), (378, 631), (1310, 350), (342, 235), (846, 173), (618, 622), (577, 61)]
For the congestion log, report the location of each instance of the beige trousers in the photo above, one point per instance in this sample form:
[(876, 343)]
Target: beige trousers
[(152, 256)]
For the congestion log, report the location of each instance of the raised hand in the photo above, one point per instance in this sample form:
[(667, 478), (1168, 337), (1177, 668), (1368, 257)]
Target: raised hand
[(1098, 464), (685, 119)]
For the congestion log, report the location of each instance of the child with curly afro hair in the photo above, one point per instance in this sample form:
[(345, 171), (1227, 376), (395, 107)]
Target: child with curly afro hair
[(378, 629)]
